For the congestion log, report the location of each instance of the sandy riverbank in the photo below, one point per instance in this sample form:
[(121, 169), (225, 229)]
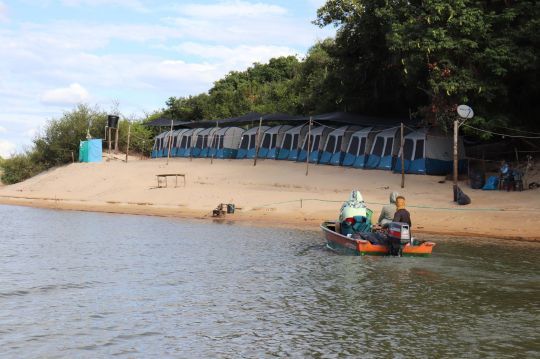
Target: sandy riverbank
[(271, 194)]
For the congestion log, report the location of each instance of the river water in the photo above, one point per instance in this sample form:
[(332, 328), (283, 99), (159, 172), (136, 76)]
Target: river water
[(87, 285)]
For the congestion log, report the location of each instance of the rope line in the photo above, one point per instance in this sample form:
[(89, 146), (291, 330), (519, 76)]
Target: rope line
[(500, 134), (301, 200)]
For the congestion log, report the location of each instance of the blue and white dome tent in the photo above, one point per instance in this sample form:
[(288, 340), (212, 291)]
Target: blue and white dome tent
[(359, 148), (271, 140), (292, 140), (225, 142), (385, 149), (187, 141), (430, 151), (248, 142), (201, 146), (336, 145), (316, 140)]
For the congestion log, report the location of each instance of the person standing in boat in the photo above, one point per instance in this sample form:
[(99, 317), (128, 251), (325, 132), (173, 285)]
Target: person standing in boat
[(401, 215), (388, 211)]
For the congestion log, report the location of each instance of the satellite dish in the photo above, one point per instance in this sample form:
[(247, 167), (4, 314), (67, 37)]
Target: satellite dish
[(465, 111)]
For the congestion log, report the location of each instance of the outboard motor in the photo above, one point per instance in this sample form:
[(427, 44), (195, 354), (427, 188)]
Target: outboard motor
[(353, 216), (399, 235)]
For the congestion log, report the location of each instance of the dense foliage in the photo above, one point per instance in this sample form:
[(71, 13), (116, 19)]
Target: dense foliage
[(60, 140), (394, 58), (484, 53)]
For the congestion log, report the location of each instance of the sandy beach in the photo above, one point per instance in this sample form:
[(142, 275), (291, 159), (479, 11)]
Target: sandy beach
[(274, 193)]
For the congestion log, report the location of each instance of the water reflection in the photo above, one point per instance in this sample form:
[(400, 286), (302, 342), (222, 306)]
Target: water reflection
[(93, 285)]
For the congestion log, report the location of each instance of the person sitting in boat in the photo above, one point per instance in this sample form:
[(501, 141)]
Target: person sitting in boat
[(388, 211), (401, 215)]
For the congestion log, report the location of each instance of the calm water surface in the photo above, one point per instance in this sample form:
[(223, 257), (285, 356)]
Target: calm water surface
[(86, 285)]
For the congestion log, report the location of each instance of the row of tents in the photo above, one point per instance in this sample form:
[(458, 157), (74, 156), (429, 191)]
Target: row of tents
[(425, 151)]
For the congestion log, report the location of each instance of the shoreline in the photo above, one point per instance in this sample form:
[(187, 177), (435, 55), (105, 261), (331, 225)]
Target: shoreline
[(152, 210), (274, 194)]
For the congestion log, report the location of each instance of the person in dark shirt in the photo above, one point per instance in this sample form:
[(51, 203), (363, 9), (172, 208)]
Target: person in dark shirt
[(401, 215)]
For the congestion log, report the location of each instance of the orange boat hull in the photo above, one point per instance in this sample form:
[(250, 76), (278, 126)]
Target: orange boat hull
[(362, 247)]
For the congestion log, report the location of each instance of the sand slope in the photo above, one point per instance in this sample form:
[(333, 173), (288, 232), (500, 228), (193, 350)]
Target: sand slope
[(271, 194)]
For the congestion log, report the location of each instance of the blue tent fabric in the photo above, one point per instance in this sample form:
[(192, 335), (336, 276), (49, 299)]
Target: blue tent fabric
[(491, 183)]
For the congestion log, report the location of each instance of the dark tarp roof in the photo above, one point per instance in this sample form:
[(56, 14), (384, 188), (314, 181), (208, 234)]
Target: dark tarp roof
[(166, 122), (253, 117), (360, 120), (245, 119)]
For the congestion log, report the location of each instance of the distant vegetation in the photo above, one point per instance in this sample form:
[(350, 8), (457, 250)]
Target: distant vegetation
[(61, 138), (389, 58)]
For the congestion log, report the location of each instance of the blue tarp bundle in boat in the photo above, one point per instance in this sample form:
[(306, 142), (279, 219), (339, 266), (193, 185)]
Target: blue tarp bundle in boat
[(90, 150)]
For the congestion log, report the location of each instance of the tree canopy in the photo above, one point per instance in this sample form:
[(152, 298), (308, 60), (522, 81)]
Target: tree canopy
[(397, 58), (438, 54)]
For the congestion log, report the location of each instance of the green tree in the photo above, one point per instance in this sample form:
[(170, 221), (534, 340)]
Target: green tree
[(367, 73), (62, 136), (19, 168), (432, 55)]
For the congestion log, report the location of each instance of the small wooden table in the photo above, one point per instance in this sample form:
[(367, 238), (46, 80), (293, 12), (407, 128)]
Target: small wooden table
[(175, 175)]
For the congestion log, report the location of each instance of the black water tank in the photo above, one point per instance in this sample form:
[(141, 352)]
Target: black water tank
[(112, 121)]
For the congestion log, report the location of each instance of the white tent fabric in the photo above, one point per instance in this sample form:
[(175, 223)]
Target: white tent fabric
[(292, 140), (251, 136), (227, 137), (318, 135), (429, 151)]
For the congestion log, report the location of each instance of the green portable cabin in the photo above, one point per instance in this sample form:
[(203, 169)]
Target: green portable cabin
[(90, 150)]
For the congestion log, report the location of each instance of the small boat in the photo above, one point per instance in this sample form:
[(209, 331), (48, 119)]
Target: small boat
[(362, 244)]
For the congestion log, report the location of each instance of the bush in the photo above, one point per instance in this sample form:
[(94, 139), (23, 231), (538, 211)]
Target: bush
[(19, 168)]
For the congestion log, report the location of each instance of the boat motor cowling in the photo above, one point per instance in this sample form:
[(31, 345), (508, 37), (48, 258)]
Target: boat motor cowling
[(399, 235), (400, 231)]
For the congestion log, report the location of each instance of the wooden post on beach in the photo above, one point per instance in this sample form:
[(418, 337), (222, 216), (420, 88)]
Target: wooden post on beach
[(127, 147), (308, 144), (456, 126), (402, 160), (257, 143), (170, 142), (116, 141), (214, 144), (110, 144), (72, 157)]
